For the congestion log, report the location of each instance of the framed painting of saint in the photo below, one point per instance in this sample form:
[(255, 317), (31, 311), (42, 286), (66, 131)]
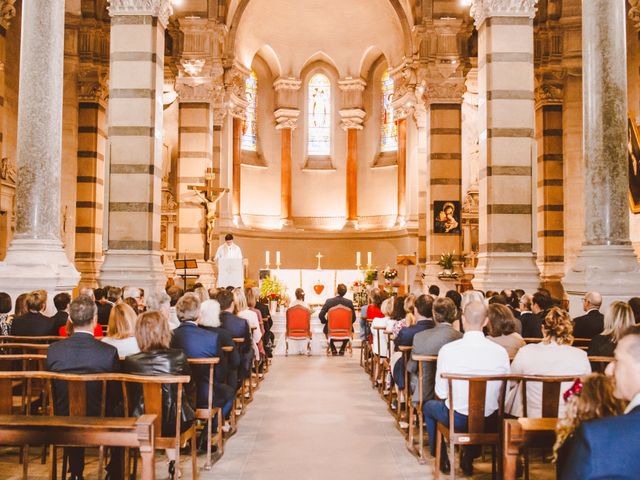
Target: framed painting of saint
[(446, 216), (634, 167)]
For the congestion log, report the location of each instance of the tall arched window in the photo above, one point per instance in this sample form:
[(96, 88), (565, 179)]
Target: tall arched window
[(319, 116), (248, 139), (389, 132)]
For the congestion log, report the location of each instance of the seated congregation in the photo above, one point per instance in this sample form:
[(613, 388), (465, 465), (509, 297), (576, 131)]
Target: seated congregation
[(208, 348), (477, 360)]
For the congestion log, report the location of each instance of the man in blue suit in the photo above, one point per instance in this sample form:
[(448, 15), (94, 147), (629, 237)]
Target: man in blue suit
[(609, 448), (198, 342)]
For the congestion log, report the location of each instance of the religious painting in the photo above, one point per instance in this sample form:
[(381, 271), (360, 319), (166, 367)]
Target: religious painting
[(446, 216), (249, 136), (634, 167), (389, 133), (319, 116)]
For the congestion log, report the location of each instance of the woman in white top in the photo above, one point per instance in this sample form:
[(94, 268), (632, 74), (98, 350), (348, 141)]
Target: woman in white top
[(120, 332), (299, 299), (243, 311), (388, 323), (553, 356)]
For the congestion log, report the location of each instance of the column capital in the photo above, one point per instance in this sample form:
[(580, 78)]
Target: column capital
[(289, 83), (286, 118), (549, 92), (438, 90), (287, 92), (92, 85), (155, 8), (7, 13), (634, 13), (352, 118), (483, 9), (352, 90), (234, 81), (200, 89), (404, 98)]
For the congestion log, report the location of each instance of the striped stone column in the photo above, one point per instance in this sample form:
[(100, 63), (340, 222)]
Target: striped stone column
[(420, 116), (550, 188), (402, 172), (236, 170), (444, 175), (92, 141), (135, 134), (506, 115)]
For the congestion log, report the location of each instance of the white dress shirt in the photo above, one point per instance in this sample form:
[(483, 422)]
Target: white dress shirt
[(473, 354), (300, 303), (388, 324), (226, 251), (125, 346), (544, 359), (635, 401)]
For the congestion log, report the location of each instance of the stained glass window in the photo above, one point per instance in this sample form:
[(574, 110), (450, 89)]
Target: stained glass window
[(319, 112), (389, 133), (248, 139)]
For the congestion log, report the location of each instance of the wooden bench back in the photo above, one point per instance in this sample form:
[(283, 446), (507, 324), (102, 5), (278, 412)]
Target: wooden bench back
[(22, 362), (24, 339), (20, 348), (477, 398), (551, 386), (211, 363)]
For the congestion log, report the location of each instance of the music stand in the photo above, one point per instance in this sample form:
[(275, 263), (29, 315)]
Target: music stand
[(186, 264)]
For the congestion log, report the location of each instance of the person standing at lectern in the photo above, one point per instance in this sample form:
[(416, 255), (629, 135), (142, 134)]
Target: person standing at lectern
[(228, 249)]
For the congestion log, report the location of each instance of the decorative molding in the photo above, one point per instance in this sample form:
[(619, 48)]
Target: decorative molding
[(287, 92), (7, 13), (289, 83), (352, 92), (404, 98), (286, 118), (198, 89), (634, 13), (352, 118), (448, 91), (483, 9), (234, 81), (162, 9), (549, 93), (92, 85)]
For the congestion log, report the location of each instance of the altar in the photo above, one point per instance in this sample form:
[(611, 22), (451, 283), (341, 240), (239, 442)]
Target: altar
[(318, 285)]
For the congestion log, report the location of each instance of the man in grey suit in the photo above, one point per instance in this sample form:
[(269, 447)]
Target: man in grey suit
[(429, 342)]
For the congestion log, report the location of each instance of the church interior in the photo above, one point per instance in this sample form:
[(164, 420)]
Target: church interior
[(397, 147)]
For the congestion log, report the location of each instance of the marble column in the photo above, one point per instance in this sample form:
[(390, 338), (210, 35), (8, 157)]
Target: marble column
[(550, 184), (606, 262), (506, 114), (402, 172), (135, 134), (236, 171), (195, 149), (420, 116), (35, 258), (9, 13), (92, 144), (286, 122)]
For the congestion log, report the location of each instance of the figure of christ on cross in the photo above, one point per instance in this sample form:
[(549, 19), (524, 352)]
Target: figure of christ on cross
[(209, 195)]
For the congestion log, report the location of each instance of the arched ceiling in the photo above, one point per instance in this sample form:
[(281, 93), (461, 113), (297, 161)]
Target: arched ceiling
[(296, 30)]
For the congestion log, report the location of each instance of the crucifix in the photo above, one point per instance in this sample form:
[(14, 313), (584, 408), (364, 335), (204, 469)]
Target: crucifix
[(319, 256), (209, 195)]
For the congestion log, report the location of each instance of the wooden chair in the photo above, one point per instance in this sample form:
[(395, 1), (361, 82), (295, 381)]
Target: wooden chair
[(23, 348), (340, 326), (244, 391), (599, 363), (207, 414), (400, 413), (298, 327), (390, 394), (380, 363), (476, 433), (551, 398), (417, 409), (152, 394), (226, 351)]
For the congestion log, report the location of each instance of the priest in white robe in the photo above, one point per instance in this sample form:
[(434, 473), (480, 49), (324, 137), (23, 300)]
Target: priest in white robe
[(228, 249)]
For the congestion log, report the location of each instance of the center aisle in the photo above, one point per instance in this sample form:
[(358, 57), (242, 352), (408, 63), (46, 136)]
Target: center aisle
[(317, 418)]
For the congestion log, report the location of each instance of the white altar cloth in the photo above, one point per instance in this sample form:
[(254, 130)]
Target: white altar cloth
[(306, 279)]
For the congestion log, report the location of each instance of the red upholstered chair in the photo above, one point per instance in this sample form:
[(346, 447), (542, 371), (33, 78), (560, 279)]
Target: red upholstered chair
[(298, 326), (340, 326)]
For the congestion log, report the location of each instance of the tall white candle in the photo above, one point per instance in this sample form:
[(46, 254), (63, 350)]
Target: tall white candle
[(278, 257), (266, 257), (358, 258), (369, 259)]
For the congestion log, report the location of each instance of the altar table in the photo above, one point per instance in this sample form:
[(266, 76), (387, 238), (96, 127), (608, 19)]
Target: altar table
[(307, 279)]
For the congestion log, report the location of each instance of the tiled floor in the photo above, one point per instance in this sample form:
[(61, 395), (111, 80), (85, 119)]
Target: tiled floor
[(312, 418)]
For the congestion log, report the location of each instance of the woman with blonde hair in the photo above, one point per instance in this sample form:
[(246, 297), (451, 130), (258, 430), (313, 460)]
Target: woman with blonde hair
[(409, 304), (553, 356), (120, 332), (242, 310), (588, 399), (618, 319)]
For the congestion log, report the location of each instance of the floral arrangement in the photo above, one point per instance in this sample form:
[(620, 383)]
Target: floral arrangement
[(370, 276), (357, 286), (389, 273), (272, 288), (446, 260)]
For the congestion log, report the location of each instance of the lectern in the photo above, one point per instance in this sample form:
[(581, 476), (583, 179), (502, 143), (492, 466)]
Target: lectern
[(230, 272)]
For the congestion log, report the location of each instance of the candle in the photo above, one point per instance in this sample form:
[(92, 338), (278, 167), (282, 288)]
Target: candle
[(358, 259), (369, 259), (266, 257), (278, 257)]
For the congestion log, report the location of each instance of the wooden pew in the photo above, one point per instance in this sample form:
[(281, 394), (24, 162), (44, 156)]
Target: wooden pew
[(84, 431)]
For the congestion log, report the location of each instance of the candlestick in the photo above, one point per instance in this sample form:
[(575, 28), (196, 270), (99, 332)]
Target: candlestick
[(266, 258), (358, 260), (369, 259), (278, 258)]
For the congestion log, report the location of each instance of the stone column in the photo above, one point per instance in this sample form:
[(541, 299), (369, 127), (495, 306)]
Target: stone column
[(550, 191), (8, 13), (237, 171), (35, 258), (606, 262), (402, 172), (92, 143), (286, 116), (135, 135), (506, 114), (420, 116)]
